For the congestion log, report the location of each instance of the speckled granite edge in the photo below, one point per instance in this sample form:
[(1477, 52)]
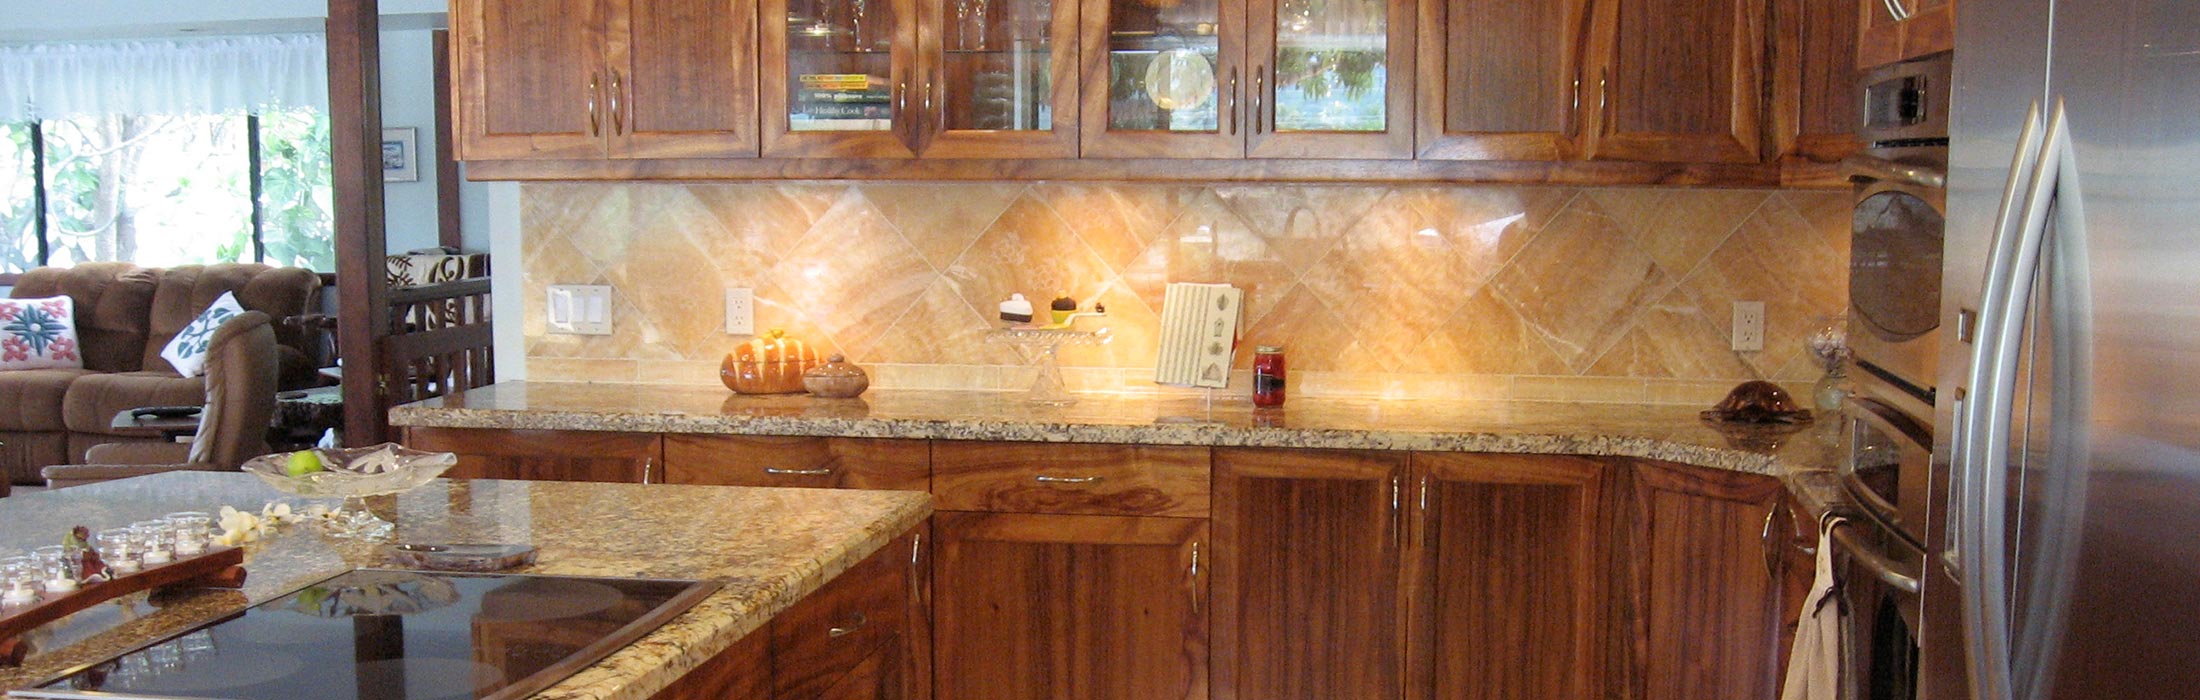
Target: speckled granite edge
[(1193, 434), (653, 662)]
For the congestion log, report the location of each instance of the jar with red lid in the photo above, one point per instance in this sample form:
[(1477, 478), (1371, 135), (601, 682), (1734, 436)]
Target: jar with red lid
[(1268, 374)]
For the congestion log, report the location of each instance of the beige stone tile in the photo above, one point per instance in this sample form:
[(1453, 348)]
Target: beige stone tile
[(1586, 389), (1771, 258), (928, 376), (1134, 329), (1690, 392), (777, 309), (941, 219), (1115, 220), (764, 219), (1389, 283), (675, 290), (1300, 222), (1210, 244), (1675, 337), (680, 372), (1580, 284), (1483, 336), (1313, 338), (580, 370), (940, 328), (853, 276), (1678, 226), (556, 261), (634, 335), (552, 211), (1486, 226), (1028, 250)]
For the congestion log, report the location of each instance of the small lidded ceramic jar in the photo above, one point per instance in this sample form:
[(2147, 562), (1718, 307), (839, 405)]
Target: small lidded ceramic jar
[(836, 379), (770, 364)]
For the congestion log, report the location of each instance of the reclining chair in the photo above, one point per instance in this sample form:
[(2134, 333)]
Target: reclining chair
[(241, 374)]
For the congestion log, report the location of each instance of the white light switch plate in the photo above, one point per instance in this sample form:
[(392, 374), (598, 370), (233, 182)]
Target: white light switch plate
[(579, 309)]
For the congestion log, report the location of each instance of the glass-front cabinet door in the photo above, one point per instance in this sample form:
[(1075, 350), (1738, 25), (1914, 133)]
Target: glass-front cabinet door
[(1000, 78), (1331, 79), (1163, 78), (837, 78)]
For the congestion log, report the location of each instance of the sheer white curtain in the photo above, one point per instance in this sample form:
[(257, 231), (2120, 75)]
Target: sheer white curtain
[(201, 76)]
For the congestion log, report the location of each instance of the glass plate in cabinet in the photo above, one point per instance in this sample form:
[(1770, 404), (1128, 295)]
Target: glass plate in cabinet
[(1162, 78)]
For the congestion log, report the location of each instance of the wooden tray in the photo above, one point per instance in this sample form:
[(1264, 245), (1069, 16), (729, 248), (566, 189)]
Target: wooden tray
[(219, 567)]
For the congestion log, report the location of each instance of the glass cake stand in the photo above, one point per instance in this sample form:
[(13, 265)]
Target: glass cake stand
[(1041, 347)]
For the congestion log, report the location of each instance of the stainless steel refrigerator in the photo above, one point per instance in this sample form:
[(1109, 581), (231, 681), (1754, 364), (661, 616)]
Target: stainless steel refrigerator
[(2065, 537)]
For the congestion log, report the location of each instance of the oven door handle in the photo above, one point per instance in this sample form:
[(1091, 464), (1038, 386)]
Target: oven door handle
[(1893, 573), (1868, 167)]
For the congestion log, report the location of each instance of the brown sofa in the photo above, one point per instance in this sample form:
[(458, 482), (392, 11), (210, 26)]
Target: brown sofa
[(125, 315)]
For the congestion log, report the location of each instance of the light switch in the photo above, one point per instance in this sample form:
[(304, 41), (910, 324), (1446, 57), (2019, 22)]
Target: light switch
[(579, 309)]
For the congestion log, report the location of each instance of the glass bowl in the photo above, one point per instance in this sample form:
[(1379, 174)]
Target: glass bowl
[(354, 473)]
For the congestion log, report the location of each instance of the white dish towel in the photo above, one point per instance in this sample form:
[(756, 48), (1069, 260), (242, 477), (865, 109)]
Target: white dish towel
[(1814, 667)]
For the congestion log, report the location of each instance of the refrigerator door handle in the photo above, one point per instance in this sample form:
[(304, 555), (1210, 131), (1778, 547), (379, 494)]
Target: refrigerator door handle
[(1976, 459)]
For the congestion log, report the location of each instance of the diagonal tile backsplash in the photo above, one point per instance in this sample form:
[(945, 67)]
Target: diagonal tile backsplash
[(1619, 294)]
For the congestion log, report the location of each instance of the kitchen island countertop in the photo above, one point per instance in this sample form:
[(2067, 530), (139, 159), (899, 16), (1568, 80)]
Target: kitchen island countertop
[(771, 547)]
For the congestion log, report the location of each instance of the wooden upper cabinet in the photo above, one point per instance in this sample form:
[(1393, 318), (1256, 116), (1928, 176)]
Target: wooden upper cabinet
[(1501, 79), (530, 78), (999, 78), (1507, 576), (1924, 27), (584, 79), (1678, 81), (1306, 581), (1705, 600), (683, 78), (1163, 79), (1070, 607), (1330, 78), (840, 78), (1816, 103), (552, 455)]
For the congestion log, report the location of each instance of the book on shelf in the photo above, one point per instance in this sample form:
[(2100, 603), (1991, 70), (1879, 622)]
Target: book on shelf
[(836, 110), (840, 81), (878, 95), (806, 123)]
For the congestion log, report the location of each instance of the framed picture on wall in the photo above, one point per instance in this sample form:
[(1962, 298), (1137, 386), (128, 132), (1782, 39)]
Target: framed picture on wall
[(401, 154)]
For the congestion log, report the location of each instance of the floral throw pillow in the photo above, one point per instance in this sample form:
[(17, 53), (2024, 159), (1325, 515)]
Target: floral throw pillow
[(38, 334), (188, 350)]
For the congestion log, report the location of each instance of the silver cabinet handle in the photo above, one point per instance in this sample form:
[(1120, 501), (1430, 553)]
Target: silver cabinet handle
[(1233, 97), (618, 114), (1044, 479), (649, 464), (1192, 578), (1901, 577), (856, 623), (1896, 10), (776, 471), (1260, 89), (1866, 167), (595, 122)]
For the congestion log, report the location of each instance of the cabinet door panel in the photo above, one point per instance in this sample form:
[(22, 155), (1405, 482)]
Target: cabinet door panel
[(1500, 79), (531, 78), (872, 117), (1507, 577), (1000, 78), (1071, 479), (684, 77), (847, 639), (553, 455), (1816, 107), (1306, 574), (1331, 79), (1681, 81), (806, 462), (1069, 606), (1705, 604), (1188, 106)]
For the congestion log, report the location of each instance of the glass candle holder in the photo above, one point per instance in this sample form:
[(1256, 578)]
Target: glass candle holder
[(156, 541), (118, 548), (192, 529), (20, 580), (60, 571)]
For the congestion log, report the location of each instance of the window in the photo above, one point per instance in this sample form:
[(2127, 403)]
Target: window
[(166, 153)]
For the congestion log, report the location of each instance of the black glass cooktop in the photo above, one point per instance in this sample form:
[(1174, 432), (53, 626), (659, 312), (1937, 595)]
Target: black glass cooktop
[(375, 634)]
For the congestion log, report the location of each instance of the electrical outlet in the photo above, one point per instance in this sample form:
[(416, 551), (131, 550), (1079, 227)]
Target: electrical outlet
[(1749, 326), (740, 311)]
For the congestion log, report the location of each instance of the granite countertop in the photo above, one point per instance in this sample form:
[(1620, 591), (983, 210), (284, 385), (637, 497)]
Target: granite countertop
[(769, 546), (1672, 433)]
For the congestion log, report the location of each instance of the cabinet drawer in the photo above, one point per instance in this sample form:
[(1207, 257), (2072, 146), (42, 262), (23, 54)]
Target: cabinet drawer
[(811, 462), (855, 625), (1072, 479)]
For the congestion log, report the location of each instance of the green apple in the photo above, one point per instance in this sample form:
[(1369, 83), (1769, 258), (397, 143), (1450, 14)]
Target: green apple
[(303, 462)]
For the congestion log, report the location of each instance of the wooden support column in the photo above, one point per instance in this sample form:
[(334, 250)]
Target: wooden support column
[(355, 132), (448, 232)]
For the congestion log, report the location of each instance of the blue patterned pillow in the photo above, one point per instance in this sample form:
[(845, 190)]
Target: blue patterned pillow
[(188, 350), (39, 334)]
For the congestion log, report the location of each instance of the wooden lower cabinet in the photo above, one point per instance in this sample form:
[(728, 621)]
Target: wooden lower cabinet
[(857, 637), (808, 462), (1070, 607), (1306, 580), (554, 455), (1506, 576), (1704, 604)]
